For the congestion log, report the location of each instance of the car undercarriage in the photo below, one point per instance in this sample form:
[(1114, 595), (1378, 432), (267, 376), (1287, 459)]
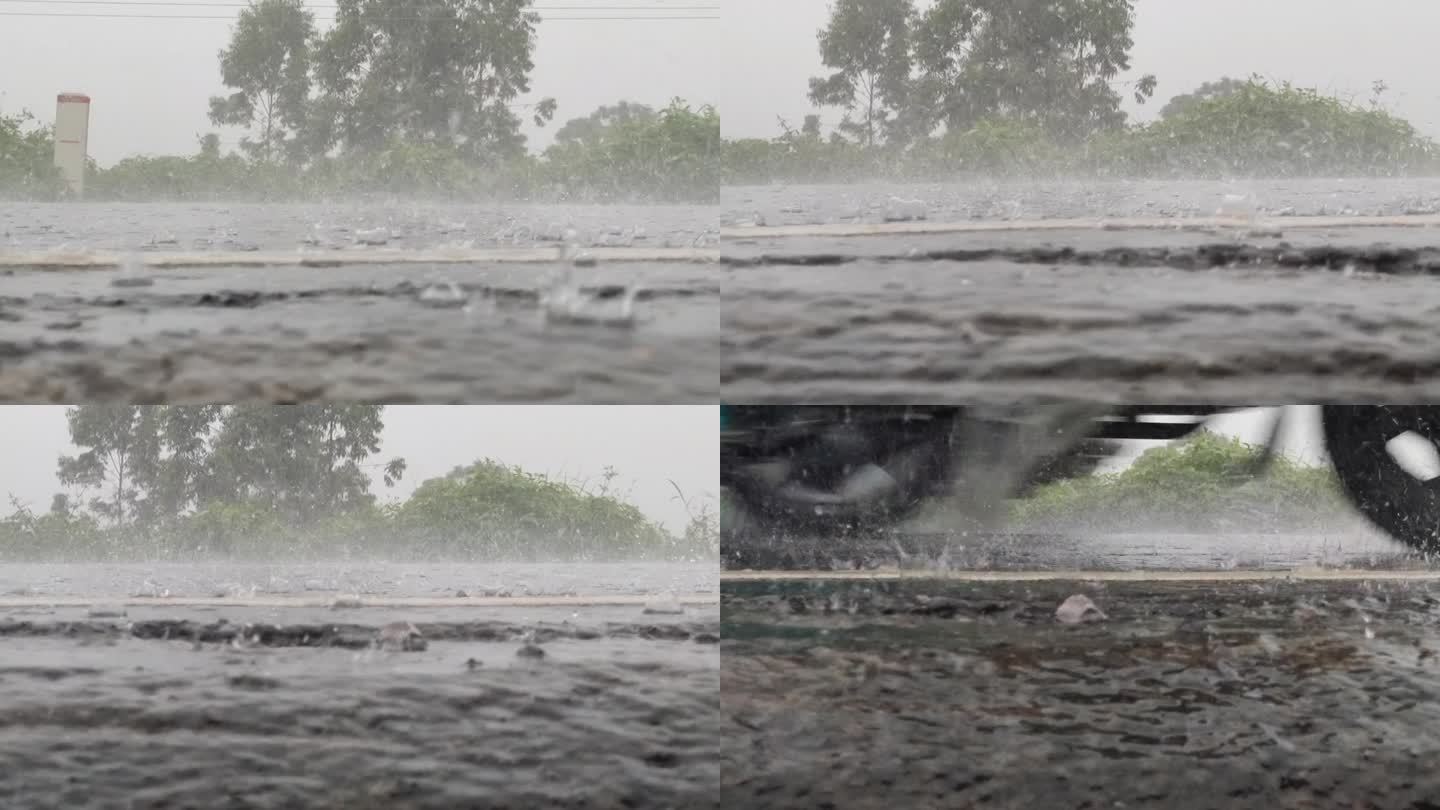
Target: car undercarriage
[(858, 469)]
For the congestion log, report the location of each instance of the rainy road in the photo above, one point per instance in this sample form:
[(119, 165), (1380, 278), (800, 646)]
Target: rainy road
[(412, 330), (1265, 301), (925, 668), (1221, 691), (246, 686), (1348, 546)]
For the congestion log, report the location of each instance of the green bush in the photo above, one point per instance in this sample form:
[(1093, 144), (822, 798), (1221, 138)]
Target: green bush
[(486, 511), (1255, 129), (1202, 483), (27, 160), (490, 509), (673, 156), (1280, 131), (994, 146)]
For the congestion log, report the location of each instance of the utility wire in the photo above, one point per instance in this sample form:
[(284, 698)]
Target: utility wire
[(231, 17), (192, 4)]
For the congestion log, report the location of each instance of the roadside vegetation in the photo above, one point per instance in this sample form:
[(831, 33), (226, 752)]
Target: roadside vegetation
[(993, 88), (1199, 484), (27, 160), (288, 482), (395, 99)]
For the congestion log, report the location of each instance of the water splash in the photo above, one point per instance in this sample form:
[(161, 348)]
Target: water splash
[(132, 273), (444, 295), (902, 210)]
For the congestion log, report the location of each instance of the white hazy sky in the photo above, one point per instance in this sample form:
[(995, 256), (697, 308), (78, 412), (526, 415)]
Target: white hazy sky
[(646, 444), (150, 80), (1340, 46)]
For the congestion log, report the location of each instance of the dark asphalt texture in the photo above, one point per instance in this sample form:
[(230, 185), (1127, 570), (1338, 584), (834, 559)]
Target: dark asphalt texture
[(932, 694)]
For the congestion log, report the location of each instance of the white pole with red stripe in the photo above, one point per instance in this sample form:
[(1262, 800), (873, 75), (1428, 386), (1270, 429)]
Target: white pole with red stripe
[(72, 133)]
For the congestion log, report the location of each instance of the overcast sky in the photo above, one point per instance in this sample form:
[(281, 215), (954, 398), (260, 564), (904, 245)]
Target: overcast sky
[(150, 80), (1340, 46), (646, 444)]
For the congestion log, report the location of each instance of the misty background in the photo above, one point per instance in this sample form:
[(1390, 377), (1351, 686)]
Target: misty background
[(647, 445), (150, 77), (1341, 48)]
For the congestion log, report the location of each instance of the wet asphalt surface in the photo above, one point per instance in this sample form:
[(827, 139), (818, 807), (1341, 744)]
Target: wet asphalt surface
[(404, 332), (238, 704), (1347, 545), (935, 694), (926, 666), (1228, 313)]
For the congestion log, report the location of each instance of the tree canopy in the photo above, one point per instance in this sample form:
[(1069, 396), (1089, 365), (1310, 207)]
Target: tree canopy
[(295, 481), (961, 62), (267, 65), (1219, 88), (149, 464)]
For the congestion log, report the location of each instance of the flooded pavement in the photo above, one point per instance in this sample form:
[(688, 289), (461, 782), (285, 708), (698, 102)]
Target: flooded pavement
[(145, 694), (1024, 199), (359, 577), (938, 666), (1112, 312), (1346, 546), (1207, 693), (420, 328)]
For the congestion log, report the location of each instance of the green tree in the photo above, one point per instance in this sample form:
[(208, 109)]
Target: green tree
[(267, 64), (302, 462), (867, 46), (1041, 62), (592, 129), (27, 159), (178, 479), (210, 146), (439, 72), (1220, 88), (118, 447)]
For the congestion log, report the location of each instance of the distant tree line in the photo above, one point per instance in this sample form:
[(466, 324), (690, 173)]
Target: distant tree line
[(177, 481), (399, 96), (998, 87)]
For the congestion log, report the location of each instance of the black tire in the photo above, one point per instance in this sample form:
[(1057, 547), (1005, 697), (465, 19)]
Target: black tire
[(1405, 507), (929, 465)]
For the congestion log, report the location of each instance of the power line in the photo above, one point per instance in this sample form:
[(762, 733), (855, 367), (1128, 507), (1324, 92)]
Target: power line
[(231, 17), (192, 4)]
